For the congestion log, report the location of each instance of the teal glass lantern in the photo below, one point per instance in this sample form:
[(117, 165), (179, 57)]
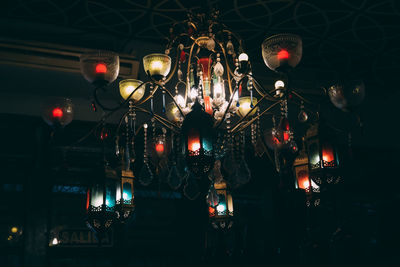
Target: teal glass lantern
[(102, 200), (125, 196), (221, 215)]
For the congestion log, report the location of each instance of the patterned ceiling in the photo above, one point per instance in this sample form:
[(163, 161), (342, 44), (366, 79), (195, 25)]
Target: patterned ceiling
[(360, 37)]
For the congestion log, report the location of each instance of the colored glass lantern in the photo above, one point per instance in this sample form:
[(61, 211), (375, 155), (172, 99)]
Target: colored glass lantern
[(221, 214), (100, 67), (282, 51), (322, 155), (157, 66), (101, 201), (125, 196), (198, 133)]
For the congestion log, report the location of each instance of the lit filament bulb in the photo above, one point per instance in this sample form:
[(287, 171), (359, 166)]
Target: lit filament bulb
[(156, 66)]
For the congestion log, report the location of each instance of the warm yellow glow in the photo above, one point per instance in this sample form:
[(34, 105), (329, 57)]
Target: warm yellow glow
[(245, 106), (14, 230), (218, 90), (195, 146), (230, 203), (306, 184), (180, 100), (126, 87), (157, 65), (193, 94)]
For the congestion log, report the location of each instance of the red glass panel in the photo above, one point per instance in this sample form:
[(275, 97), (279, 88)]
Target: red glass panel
[(193, 140), (207, 105), (302, 180), (205, 64), (160, 148), (328, 155)]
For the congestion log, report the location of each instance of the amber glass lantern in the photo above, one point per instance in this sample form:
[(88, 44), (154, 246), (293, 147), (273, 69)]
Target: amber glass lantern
[(221, 215), (322, 155), (198, 133), (282, 51), (157, 66), (127, 86), (101, 201)]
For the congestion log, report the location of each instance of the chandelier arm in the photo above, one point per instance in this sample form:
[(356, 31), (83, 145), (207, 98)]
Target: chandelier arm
[(259, 85), (253, 108), (303, 99), (175, 66), (248, 123), (160, 119), (173, 99), (149, 96), (253, 119)]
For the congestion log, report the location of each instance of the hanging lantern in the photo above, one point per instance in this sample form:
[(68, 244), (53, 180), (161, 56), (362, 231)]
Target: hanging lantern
[(100, 67), (221, 215), (302, 178), (198, 133), (125, 196), (101, 201), (322, 155)]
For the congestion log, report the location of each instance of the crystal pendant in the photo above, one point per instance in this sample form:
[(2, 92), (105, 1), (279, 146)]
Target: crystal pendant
[(303, 116), (218, 69), (180, 75), (146, 175), (212, 196), (174, 179), (191, 188), (244, 173), (260, 147), (277, 160), (229, 48)]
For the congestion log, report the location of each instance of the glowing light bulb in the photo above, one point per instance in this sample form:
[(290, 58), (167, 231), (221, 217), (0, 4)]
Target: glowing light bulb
[(243, 57), (54, 242), (279, 84), (145, 125), (125, 196), (217, 90), (156, 66), (101, 68), (193, 94), (283, 54), (180, 100), (221, 208), (57, 113), (306, 184), (14, 230), (160, 148), (195, 146)]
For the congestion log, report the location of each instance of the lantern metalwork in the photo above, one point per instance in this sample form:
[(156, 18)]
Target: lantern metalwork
[(199, 135), (101, 201), (303, 180), (221, 215), (323, 158), (125, 196)]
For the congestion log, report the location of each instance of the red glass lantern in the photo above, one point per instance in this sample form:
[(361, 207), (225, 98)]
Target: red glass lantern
[(58, 111), (198, 133)]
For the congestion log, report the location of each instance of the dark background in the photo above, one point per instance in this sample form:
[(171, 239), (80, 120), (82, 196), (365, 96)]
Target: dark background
[(340, 39)]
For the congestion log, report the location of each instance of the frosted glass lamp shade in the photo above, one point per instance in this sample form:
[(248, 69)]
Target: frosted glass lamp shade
[(245, 106), (100, 67), (282, 50), (127, 86), (157, 65)]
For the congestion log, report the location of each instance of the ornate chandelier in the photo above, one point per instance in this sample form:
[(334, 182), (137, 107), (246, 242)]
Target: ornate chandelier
[(209, 98)]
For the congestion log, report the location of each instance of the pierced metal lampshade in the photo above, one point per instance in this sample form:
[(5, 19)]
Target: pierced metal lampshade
[(157, 65), (127, 86), (100, 67), (282, 51), (58, 111)]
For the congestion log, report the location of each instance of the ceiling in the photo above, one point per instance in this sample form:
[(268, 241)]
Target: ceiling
[(341, 38)]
